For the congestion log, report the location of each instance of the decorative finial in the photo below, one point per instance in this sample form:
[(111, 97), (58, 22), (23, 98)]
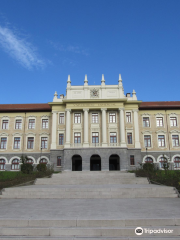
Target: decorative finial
[(134, 95), (120, 79), (86, 80), (69, 80), (55, 94), (103, 80)]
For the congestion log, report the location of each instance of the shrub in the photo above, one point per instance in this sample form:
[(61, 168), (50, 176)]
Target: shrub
[(26, 168), (41, 167), (148, 167)]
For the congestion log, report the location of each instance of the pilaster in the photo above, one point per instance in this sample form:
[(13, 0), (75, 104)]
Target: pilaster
[(86, 128), (122, 128), (136, 129), (104, 127)]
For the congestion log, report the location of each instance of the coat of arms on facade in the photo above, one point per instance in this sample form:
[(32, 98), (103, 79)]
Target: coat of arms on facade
[(94, 93)]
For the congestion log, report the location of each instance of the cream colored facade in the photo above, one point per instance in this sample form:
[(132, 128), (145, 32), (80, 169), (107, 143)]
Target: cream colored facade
[(93, 128)]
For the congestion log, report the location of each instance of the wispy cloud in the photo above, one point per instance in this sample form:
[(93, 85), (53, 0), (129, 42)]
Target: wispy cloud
[(20, 49), (69, 48)]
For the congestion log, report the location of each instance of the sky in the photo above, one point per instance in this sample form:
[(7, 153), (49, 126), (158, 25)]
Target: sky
[(44, 41)]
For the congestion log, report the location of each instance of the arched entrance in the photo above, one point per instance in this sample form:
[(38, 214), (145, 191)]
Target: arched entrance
[(76, 163), (114, 164), (95, 163)]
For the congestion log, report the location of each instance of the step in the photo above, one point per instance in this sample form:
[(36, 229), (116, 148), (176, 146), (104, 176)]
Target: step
[(89, 222), (84, 231)]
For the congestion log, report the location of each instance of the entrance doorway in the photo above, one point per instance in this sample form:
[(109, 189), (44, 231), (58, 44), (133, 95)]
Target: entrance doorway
[(76, 163), (95, 163), (114, 164)]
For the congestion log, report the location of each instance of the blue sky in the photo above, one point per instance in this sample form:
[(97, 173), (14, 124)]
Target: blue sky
[(43, 41)]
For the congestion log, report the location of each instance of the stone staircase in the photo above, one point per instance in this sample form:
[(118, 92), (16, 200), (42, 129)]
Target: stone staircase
[(89, 205)]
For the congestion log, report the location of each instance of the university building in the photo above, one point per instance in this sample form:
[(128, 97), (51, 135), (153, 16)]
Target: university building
[(92, 128)]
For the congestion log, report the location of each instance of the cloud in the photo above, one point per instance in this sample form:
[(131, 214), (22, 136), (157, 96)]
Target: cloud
[(69, 48), (19, 49)]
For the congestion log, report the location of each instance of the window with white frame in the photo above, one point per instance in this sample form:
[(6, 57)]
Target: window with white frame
[(147, 140), (45, 123), (175, 140), (128, 117), (95, 137), (29, 161), (77, 138), (43, 161), (129, 138), (18, 124), (177, 162), (31, 124), (61, 139), (146, 122), (2, 164), (61, 118), (30, 143), (77, 117), (148, 160), (3, 143), (112, 117), (159, 121), (161, 140), (44, 142), (94, 117), (5, 124), (163, 162), (113, 137), (17, 141), (15, 164), (173, 121)]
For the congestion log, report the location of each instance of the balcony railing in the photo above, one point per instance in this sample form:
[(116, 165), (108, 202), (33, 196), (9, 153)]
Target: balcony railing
[(78, 145)]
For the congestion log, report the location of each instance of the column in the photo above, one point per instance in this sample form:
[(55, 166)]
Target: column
[(54, 122), (86, 128), (68, 127), (136, 129), (104, 128), (122, 128)]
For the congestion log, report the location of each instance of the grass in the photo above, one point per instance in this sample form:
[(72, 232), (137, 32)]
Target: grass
[(10, 179)]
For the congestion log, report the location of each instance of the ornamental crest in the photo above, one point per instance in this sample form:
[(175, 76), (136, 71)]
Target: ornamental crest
[(94, 93)]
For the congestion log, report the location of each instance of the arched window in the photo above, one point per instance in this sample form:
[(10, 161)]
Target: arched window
[(148, 160), (163, 161), (29, 161), (177, 162), (2, 164), (15, 164), (43, 160)]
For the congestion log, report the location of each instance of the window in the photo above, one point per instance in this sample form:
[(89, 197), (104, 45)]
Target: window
[(31, 123), (29, 161), (132, 160), (17, 143), (30, 143), (128, 117), (161, 140), (2, 164), (175, 140), (3, 143), (177, 162), (44, 142), (61, 118), (77, 118), (147, 140), (163, 162), (95, 137), (129, 138), (94, 117), (113, 138), (18, 124), (77, 137), (148, 160), (173, 121), (5, 124), (59, 161), (15, 164), (159, 121), (43, 161), (61, 139), (112, 117), (146, 122), (44, 123)]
